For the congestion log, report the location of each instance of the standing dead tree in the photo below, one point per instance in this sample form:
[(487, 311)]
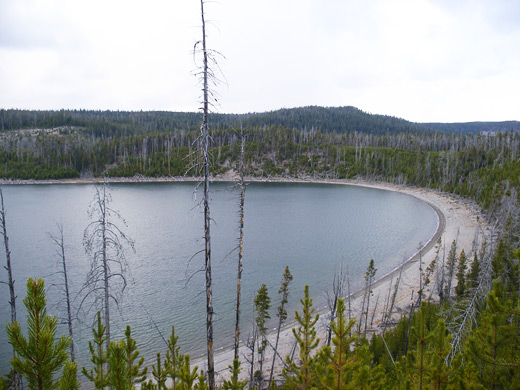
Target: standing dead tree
[(10, 281), (242, 186), (204, 137), (60, 243), (281, 314), (206, 75), (338, 288), (105, 242), (8, 267)]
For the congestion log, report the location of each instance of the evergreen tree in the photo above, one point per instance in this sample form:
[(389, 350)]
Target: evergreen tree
[(69, 377), (159, 374), (460, 289), (302, 376), (234, 383), (39, 356), (98, 356), (473, 276), (187, 376), (262, 306), (337, 360), (124, 364), (451, 263), (438, 374), (118, 374), (173, 358), (494, 346)]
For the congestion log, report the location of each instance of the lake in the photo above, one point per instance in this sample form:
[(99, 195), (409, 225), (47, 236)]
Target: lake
[(312, 228)]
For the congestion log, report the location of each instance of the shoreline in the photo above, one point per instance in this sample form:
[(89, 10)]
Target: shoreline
[(458, 219)]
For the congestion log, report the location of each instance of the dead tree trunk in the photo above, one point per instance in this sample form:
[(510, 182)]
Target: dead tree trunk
[(338, 285), (60, 242), (207, 237), (241, 244), (10, 280), (282, 314), (104, 241), (17, 380)]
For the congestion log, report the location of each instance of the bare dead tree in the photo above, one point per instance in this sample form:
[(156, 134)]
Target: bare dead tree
[(105, 242), (281, 314), (251, 345), (241, 183), (60, 243), (207, 218), (206, 75), (8, 266), (374, 310), (204, 139), (17, 380), (338, 289), (390, 309)]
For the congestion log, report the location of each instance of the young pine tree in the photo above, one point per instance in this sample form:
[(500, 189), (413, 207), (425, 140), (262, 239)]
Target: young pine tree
[(337, 361), (98, 356), (302, 376), (262, 306), (233, 383), (39, 356), (460, 289)]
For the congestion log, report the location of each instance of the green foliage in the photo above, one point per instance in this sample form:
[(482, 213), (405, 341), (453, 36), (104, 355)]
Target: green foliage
[(234, 383), (302, 376), (494, 346), (284, 290), (124, 364), (69, 378), (262, 306), (173, 358), (98, 356), (460, 288), (337, 363), (187, 375), (39, 356)]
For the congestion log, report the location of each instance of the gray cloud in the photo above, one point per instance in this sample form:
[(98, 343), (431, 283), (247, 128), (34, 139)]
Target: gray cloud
[(418, 59)]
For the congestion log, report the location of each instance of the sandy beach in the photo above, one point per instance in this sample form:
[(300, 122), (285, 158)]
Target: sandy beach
[(459, 219)]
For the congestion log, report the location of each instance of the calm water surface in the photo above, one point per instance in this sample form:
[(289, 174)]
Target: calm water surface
[(312, 228)]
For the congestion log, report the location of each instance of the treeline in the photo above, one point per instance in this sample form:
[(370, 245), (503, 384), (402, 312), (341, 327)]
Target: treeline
[(114, 123), (481, 167), (311, 118)]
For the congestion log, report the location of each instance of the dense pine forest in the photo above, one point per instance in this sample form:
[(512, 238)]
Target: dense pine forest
[(468, 339)]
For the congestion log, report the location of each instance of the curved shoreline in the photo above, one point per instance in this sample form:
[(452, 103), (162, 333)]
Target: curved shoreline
[(453, 224), (457, 220)]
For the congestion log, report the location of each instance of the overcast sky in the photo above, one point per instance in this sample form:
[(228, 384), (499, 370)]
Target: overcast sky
[(421, 60)]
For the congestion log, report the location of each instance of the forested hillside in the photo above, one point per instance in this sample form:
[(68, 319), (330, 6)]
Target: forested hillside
[(312, 118), (482, 167)]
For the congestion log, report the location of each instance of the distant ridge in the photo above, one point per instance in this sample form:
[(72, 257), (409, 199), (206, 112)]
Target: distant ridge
[(310, 118), (475, 127)]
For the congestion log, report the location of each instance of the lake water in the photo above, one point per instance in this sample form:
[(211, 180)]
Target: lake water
[(309, 227)]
